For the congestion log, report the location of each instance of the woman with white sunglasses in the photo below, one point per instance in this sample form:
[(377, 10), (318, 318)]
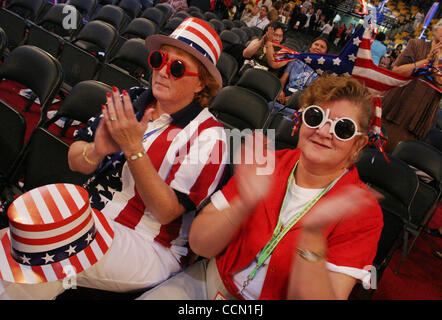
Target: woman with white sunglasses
[(308, 230)]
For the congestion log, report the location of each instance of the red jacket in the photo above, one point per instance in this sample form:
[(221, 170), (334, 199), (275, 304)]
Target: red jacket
[(351, 242)]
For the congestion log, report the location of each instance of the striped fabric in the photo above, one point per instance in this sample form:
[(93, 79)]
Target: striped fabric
[(189, 152), (53, 233), (198, 34)]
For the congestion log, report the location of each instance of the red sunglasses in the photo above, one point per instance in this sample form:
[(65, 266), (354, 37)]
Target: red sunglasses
[(176, 68)]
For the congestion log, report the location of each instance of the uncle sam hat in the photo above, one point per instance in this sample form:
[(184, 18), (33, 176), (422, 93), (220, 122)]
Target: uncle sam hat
[(197, 38), (52, 228)]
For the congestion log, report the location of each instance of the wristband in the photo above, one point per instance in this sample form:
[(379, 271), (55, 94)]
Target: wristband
[(85, 156)]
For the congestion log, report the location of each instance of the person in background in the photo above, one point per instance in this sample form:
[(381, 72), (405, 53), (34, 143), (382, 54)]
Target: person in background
[(260, 51), (378, 48), (261, 20), (396, 52), (385, 62), (297, 76), (307, 230), (408, 112)]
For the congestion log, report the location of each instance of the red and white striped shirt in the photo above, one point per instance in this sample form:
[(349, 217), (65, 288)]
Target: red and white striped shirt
[(189, 151)]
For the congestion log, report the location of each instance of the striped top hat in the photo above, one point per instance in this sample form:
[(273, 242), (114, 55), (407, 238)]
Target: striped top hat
[(196, 37), (53, 232)]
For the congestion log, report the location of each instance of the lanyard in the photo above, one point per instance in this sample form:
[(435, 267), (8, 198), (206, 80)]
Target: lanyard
[(280, 231)]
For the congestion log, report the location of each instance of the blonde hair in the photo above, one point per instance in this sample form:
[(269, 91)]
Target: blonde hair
[(330, 88)]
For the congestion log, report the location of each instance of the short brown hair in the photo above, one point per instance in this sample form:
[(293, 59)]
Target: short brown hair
[(328, 88)]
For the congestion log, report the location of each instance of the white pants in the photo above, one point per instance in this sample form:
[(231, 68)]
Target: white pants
[(133, 262)]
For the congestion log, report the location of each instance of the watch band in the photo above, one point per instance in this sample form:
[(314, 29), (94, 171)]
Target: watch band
[(309, 255), (135, 156)]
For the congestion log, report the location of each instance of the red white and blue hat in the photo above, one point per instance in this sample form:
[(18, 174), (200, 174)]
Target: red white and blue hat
[(53, 232), (196, 37)]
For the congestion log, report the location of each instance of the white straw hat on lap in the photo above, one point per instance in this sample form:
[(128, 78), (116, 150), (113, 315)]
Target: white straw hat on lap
[(197, 38)]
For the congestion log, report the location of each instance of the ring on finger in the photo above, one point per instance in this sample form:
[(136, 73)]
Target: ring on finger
[(112, 118)]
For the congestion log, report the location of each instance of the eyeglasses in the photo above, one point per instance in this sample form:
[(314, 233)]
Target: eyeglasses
[(343, 129), (176, 68)]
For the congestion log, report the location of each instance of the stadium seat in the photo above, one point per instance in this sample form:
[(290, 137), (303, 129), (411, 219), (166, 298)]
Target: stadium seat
[(132, 8), (228, 24), (155, 15), (262, 82), (426, 161), (171, 25), (239, 108), (14, 26), (44, 80), (85, 7), (29, 10), (166, 9), (218, 25), (82, 103), (113, 15), (242, 34), (282, 127), (228, 67), (53, 20)]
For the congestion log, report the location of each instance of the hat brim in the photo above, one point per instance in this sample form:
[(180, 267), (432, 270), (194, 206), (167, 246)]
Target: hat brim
[(154, 42), (12, 271)]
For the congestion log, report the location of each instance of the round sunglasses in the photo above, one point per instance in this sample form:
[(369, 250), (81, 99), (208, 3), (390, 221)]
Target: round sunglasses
[(176, 68), (343, 129)]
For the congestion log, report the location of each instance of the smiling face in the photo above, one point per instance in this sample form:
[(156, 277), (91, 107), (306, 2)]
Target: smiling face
[(179, 92), (321, 149), (319, 46)]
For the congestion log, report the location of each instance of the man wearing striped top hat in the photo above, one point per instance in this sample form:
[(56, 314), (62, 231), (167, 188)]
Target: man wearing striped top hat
[(154, 154)]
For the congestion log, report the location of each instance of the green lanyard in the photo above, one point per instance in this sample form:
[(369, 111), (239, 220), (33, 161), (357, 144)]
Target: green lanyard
[(280, 231)]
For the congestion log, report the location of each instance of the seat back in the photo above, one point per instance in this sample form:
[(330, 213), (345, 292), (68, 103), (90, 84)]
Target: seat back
[(239, 108), (3, 41), (166, 9), (132, 56), (46, 162), (113, 75), (421, 156), (96, 37), (54, 17), (241, 33), (229, 38), (78, 65), (85, 7), (395, 180), (258, 32), (46, 76), (250, 33), (218, 25), (228, 67), (434, 138), (262, 82), (171, 25), (26, 9), (113, 15), (132, 8), (239, 23), (182, 14), (210, 15), (198, 14), (155, 15), (44, 39), (282, 127), (12, 135), (14, 27), (140, 28), (228, 24)]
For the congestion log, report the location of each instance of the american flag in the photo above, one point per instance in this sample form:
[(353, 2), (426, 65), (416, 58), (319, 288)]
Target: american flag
[(355, 59)]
